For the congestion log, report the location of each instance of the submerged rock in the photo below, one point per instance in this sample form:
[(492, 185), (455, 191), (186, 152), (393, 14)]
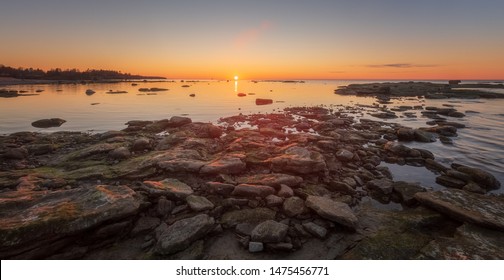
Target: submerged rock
[(46, 123)]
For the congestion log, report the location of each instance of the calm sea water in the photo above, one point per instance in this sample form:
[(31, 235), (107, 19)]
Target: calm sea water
[(480, 145)]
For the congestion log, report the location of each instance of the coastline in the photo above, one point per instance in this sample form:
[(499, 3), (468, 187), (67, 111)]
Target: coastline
[(263, 192)]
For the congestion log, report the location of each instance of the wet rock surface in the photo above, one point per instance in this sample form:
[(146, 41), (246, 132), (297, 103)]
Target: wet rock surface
[(176, 189)]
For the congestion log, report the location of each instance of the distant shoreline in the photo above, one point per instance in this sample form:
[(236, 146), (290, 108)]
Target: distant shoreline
[(14, 81)]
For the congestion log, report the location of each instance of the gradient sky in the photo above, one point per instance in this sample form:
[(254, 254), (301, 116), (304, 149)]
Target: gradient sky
[(355, 39)]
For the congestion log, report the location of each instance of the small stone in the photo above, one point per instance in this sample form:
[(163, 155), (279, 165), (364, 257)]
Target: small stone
[(16, 153), (273, 200), (164, 206), (120, 153), (255, 247), (315, 229), (145, 224), (220, 188), (246, 190), (285, 191), (332, 210), (141, 144), (384, 185), (344, 155), (294, 206)]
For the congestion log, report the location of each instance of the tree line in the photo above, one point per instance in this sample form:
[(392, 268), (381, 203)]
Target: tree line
[(68, 74)]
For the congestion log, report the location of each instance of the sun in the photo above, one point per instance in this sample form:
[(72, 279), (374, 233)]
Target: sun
[(236, 78)]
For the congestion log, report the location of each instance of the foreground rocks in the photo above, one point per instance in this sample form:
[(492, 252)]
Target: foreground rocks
[(176, 189)]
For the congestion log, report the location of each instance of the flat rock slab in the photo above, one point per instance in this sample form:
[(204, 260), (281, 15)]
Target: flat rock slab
[(28, 217), (269, 231), (332, 210), (273, 180), (487, 211), (246, 190), (171, 188), (182, 233)]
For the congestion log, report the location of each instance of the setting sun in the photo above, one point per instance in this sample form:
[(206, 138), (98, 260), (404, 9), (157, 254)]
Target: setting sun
[(236, 78)]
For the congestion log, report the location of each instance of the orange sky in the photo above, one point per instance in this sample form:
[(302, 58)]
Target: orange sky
[(259, 41)]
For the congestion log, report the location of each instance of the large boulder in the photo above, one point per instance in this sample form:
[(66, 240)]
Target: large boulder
[(32, 219), (487, 211), (299, 160), (332, 210), (182, 233)]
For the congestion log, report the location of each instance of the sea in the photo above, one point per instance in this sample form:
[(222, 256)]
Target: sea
[(480, 144)]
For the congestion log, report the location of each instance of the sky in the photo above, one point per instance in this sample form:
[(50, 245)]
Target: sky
[(317, 39)]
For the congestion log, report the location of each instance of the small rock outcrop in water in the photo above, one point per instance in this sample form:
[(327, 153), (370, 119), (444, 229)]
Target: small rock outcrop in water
[(46, 123), (179, 189)]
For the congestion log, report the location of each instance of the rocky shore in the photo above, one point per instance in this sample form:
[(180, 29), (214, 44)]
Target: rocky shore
[(426, 89), (306, 183)]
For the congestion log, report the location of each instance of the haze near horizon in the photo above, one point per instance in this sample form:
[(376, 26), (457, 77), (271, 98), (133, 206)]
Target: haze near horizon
[(259, 39)]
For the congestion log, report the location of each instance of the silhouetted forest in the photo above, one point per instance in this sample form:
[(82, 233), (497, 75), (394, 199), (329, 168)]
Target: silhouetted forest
[(69, 74)]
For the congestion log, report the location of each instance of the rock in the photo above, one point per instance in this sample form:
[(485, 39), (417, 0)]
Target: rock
[(384, 115), (90, 92), (294, 206), (246, 190), (177, 121), (396, 148), (470, 242), (273, 200), (344, 155), (199, 203), (16, 153), (255, 247), (273, 180), (178, 161), (144, 225), (424, 136), (450, 182), (141, 144), (40, 149), (171, 188), (182, 233), (262, 101), (285, 191), (42, 217), (46, 123), (204, 130), (164, 206), (255, 215), (473, 187), (486, 211), (483, 178), (120, 153), (299, 160), (220, 188), (384, 185), (342, 187), (245, 228), (432, 164), (269, 231), (332, 210), (316, 230), (407, 191), (228, 164), (405, 134), (231, 201)]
